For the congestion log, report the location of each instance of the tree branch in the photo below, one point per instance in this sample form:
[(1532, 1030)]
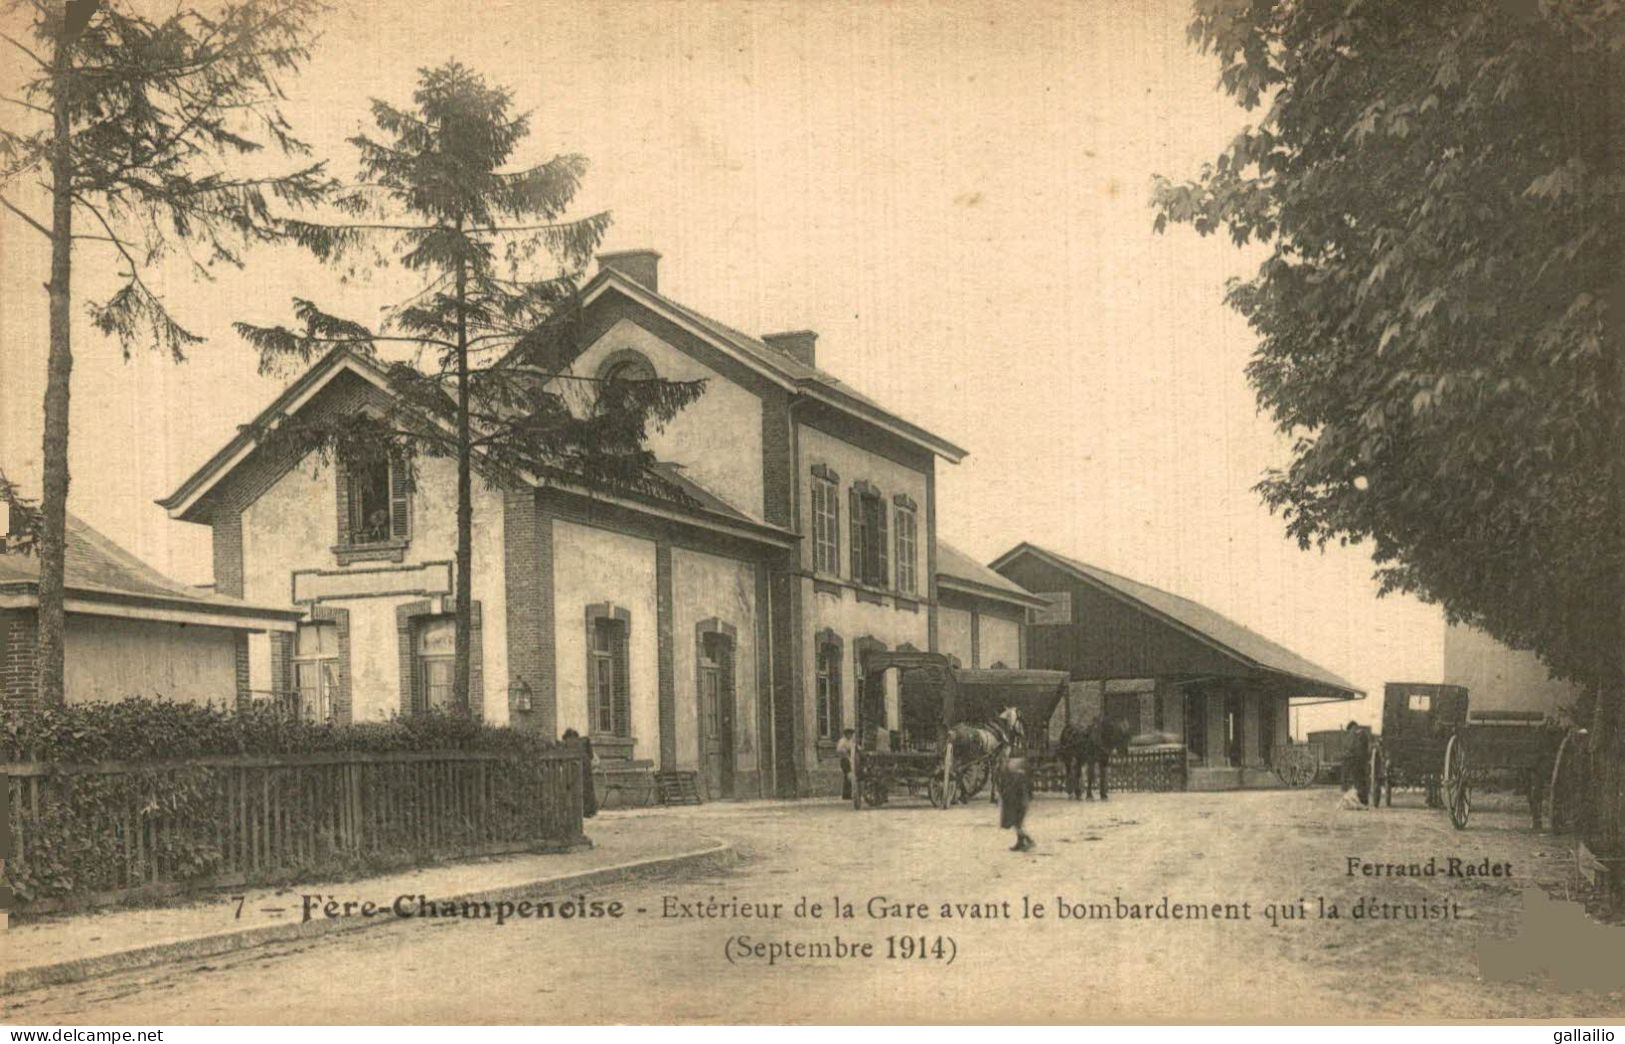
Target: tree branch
[(41, 228)]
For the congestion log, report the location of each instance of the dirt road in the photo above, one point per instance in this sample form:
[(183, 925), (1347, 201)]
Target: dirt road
[(1224, 862)]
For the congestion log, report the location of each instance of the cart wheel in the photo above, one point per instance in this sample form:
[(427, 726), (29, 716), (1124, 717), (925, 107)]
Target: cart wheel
[(973, 779), (874, 792), (937, 791), (1564, 790), (1457, 793)]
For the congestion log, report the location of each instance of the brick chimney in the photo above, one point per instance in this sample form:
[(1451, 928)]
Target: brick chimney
[(640, 266), (800, 345)]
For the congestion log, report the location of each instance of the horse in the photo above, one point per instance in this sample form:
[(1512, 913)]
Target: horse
[(1090, 745), (992, 740)]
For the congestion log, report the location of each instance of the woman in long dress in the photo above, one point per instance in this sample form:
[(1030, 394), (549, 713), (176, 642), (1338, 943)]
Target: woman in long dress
[(1015, 794)]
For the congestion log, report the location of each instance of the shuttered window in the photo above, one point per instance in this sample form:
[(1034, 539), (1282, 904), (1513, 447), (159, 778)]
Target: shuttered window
[(907, 549), (826, 520), (378, 498), (868, 536)]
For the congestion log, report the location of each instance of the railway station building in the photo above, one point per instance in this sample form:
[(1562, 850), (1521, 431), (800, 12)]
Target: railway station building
[(1158, 663), (717, 636)]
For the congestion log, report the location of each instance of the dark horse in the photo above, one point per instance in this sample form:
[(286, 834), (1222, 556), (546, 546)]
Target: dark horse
[(1090, 745)]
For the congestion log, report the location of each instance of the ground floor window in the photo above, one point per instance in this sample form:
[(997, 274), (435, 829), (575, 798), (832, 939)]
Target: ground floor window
[(316, 670), (436, 655), (828, 709), (608, 677)]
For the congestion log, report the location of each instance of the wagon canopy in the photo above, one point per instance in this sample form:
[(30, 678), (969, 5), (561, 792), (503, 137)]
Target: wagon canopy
[(980, 694), (933, 690)]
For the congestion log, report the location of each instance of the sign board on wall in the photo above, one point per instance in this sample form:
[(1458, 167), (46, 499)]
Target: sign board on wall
[(318, 585)]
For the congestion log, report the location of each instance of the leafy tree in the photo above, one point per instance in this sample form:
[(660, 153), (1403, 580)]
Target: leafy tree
[(500, 265), (137, 122), (1441, 192)]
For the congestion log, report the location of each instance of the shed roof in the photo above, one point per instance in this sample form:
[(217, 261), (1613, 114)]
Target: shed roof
[(1240, 642), (957, 569), (99, 570)]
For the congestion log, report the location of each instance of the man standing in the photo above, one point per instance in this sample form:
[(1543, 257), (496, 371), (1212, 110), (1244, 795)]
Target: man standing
[(844, 749)]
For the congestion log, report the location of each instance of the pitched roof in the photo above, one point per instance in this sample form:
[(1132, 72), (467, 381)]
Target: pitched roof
[(1241, 642), (100, 570), (783, 367), (705, 506), (957, 569)]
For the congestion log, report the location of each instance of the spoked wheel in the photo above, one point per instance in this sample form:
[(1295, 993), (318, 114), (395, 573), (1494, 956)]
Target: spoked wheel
[(1565, 791), (1305, 768), (1374, 776), (874, 792), (973, 779), (938, 791), (1457, 793)]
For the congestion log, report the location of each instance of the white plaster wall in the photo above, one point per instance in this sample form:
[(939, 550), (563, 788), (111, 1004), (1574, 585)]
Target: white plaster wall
[(592, 565), (852, 620), (294, 525), (706, 586), (853, 463), (717, 438), (953, 633), (998, 641), (111, 659)]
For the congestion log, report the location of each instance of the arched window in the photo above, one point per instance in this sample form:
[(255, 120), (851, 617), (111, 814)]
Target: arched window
[(626, 365)]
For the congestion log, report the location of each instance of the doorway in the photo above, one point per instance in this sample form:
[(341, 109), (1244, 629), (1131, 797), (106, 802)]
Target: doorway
[(1196, 724), (716, 691)]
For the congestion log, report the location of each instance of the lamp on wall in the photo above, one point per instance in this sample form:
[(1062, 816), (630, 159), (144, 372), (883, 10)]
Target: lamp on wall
[(519, 695)]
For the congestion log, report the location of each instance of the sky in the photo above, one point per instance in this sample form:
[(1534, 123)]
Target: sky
[(955, 196)]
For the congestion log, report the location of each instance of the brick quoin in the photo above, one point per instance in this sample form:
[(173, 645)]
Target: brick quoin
[(19, 642)]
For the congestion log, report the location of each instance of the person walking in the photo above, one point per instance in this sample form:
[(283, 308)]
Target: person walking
[(1015, 795)]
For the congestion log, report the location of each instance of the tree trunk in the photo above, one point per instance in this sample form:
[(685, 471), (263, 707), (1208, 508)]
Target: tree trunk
[(59, 370), (462, 662)]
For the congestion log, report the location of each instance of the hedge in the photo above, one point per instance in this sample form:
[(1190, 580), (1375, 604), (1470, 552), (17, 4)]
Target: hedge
[(156, 821)]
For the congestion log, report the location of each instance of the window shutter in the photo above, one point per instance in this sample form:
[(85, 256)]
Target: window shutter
[(400, 519), (855, 506), (882, 575), (622, 712)]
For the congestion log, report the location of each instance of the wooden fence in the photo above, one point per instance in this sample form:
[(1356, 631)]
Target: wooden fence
[(1144, 769), (94, 833)]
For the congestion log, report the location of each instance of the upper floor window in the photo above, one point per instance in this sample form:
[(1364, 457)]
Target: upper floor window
[(316, 669), (868, 535), (826, 521), (617, 371), (377, 501), (907, 545), (436, 651), (609, 690)]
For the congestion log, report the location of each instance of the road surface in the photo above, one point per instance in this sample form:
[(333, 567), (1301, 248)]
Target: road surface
[(1224, 863)]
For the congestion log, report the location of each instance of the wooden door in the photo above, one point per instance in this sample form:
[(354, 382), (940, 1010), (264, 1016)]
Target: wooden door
[(717, 715)]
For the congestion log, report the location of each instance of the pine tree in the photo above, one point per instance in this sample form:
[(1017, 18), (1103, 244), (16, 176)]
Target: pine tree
[(137, 122), (498, 306)]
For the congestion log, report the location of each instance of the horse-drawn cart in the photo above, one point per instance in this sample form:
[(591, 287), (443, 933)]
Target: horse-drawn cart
[(901, 745), (1430, 741)]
